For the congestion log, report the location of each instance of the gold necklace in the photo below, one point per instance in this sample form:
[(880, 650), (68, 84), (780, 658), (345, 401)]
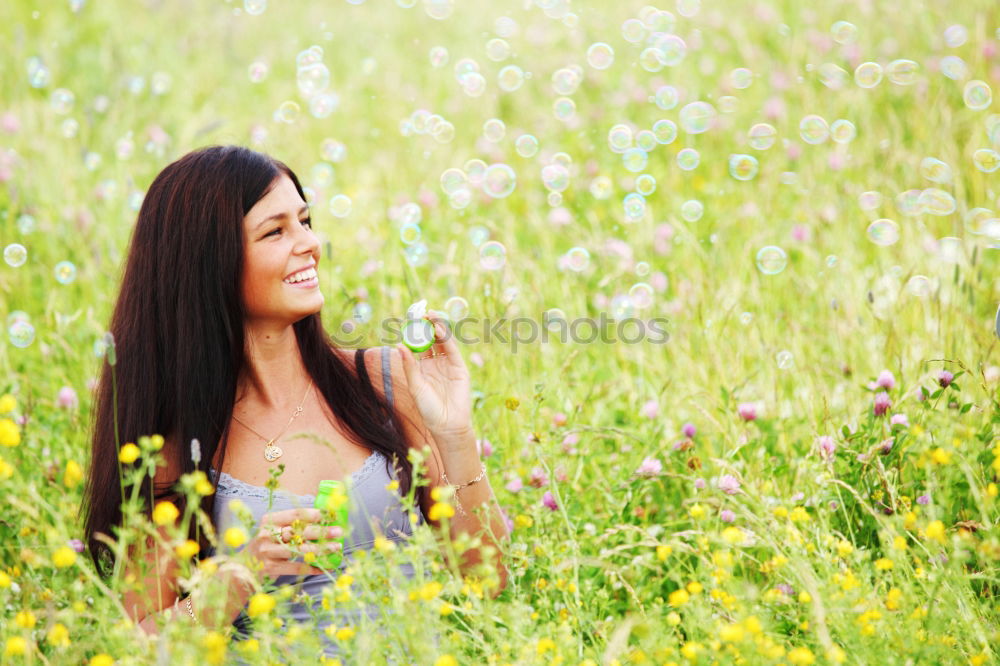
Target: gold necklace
[(271, 451)]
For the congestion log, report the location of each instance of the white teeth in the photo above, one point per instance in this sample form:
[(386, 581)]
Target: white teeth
[(301, 276)]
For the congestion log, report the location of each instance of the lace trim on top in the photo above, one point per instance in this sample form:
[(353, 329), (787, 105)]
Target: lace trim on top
[(230, 486)]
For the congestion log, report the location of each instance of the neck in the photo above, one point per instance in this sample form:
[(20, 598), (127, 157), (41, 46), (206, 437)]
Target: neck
[(275, 375)]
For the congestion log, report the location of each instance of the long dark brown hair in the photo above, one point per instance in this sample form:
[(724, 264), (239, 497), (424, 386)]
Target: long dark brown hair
[(178, 328)]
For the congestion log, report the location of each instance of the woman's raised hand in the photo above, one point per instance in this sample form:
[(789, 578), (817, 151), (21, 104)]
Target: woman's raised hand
[(291, 533)]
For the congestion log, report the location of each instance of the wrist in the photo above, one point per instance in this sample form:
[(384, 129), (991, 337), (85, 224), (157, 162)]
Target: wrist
[(458, 440)]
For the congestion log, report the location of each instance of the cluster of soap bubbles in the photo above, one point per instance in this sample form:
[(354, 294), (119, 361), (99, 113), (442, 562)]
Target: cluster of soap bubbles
[(20, 331), (496, 180), (423, 121), (470, 79), (652, 33), (312, 77)]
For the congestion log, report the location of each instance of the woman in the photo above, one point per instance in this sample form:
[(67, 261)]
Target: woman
[(219, 339)]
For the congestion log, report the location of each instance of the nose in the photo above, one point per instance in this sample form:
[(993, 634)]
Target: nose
[(309, 243)]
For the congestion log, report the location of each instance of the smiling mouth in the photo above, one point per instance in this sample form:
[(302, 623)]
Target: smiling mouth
[(307, 275)]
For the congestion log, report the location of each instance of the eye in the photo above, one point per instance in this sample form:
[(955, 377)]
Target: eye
[(307, 222), (271, 233)]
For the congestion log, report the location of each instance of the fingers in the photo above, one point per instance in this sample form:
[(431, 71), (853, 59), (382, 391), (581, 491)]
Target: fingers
[(289, 516), (444, 341)]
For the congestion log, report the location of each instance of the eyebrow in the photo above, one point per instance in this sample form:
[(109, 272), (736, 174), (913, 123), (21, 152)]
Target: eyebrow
[(277, 216)]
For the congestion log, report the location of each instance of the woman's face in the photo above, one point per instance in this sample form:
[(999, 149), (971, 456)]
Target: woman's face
[(280, 283)]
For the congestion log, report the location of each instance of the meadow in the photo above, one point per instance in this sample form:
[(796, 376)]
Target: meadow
[(801, 470)]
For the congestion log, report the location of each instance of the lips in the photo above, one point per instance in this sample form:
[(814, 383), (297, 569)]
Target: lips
[(301, 275)]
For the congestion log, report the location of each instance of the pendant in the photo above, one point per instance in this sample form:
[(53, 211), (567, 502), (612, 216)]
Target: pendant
[(272, 452)]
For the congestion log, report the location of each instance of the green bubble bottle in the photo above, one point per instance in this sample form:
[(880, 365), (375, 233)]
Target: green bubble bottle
[(332, 501)]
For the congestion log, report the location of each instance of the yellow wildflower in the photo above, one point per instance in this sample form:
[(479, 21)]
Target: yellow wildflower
[(58, 635), (430, 590), (523, 521), (102, 659), (935, 531), (673, 619), (731, 633), (187, 550), (694, 587), (260, 604), (899, 543), (10, 434), (697, 511), (25, 619), (910, 519), (234, 537), (165, 513), (780, 512), (446, 660), (892, 598), (799, 514), (15, 647), (663, 552), (733, 535), (129, 453), (804, 597), (64, 557), (844, 548), (440, 510), (690, 650), (941, 456), (544, 645), (73, 474), (801, 656), (883, 564), (678, 598), (7, 404), (344, 634), (991, 489)]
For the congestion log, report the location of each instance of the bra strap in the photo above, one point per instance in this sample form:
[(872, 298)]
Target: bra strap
[(386, 375)]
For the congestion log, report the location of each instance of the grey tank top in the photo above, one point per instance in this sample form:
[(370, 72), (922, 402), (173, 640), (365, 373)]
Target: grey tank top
[(373, 511)]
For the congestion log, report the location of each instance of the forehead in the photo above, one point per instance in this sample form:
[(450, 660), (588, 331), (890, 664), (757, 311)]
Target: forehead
[(281, 199)]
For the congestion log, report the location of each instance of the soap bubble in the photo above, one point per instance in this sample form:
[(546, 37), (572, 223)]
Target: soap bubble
[(473, 84), (620, 138), (641, 295), (909, 203), (635, 159), (555, 177), (494, 130), (868, 74), (287, 112), (920, 287), (439, 9), (564, 108), (986, 160), (499, 181), (646, 140), (883, 232), (651, 59), (955, 35), (497, 49), (645, 184), (784, 359), (692, 210), (870, 200), (665, 131), (65, 272), (257, 71), (510, 78), (526, 145), (902, 72), (577, 259), (460, 198), (935, 170), (456, 308), (438, 56), (492, 255), (742, 167), (601, 187), (954, 68), (813, 129), (633, 31), (452, 180), (673, 50), (312, 79), (409, 233), (21, 334), (332, 150), (666, 97), (937, 202), (416, 254), (843, 131), (25, 223), (978, 220), (565, 81), (688, 159), (15, 255), (635, 206), (771, 260), (464, 67), (741, 78), (600, 55), (478, 235), (833, 76), (621, 307), (254, 7), (844, 32), (323, 104), (340, 205), (977, 95), (762, 136), (362, 313), (697, 117), (62, 100), (746, 318)]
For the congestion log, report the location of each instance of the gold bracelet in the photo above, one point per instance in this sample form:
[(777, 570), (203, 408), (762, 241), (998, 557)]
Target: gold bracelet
[(458, 502)]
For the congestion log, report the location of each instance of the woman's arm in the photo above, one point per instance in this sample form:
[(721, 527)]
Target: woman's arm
[(458, 458)]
